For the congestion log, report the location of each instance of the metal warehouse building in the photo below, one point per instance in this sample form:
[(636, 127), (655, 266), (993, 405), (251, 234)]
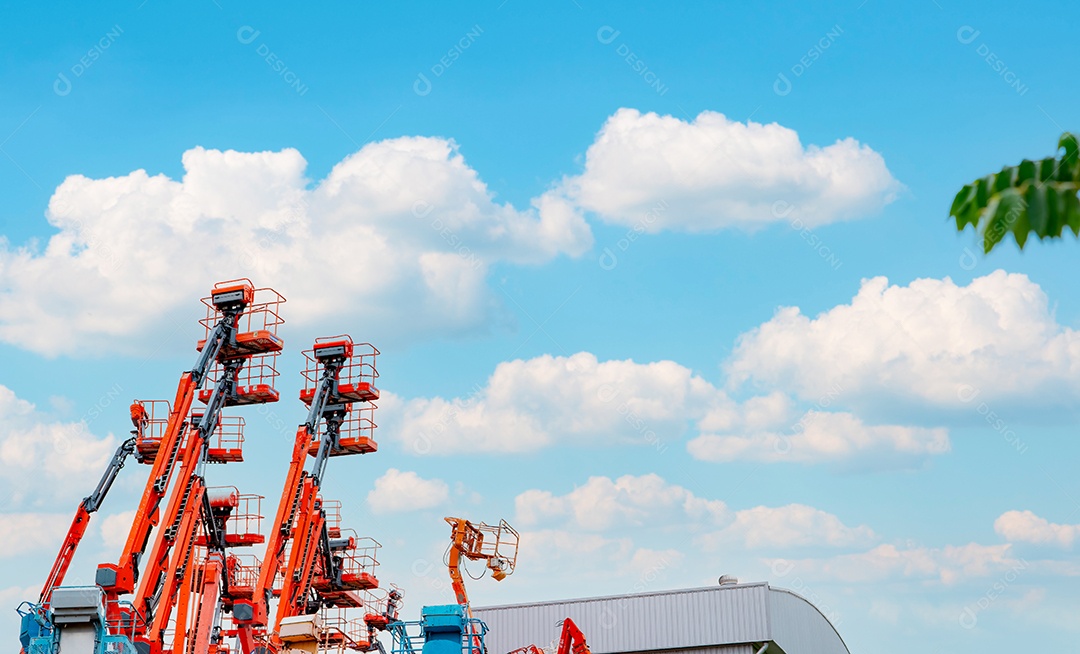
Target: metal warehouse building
[(727, 619)]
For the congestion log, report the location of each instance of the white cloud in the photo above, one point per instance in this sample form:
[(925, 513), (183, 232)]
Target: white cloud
[(398, 491), (570, 557), (820, 437), (405, 217), (14, 595), (115, 529), (27, 533), (602, 504), (1027, 527), (659, 172), (528, 405), (950, 564), (41, 459), (930, 342), (552, 550), (794, 525)]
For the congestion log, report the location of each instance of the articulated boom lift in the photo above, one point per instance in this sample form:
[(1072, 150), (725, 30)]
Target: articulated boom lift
[(451, 628), (495, 545), (571, 641), (89, 505), (317, 565)]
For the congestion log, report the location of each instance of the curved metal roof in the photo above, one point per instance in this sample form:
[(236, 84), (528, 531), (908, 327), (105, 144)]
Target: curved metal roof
[(736, 614)]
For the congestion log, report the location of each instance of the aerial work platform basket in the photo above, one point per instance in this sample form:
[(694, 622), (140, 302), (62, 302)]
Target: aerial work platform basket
[(150, 419), (340, 632), (355, 435), (356, 560), (254, 341), (356, 377), (241, 515), (254, 382), (332, 509), (226, 443), (242, 571), (381, 605), (256, 327)]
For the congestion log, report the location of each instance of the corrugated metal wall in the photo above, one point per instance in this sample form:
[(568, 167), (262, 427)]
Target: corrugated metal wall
[(694, 621), (636, 623), (722, 649)]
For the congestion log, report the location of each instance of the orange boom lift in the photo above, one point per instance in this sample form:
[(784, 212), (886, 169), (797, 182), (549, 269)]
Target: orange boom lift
[(311, 563), (236, 358)]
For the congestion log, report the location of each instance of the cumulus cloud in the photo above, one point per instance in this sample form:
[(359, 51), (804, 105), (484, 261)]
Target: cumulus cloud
[(527, 405), (42, 459), (661, 173), (635, 501), (794, 525), (530, 404), (405, 217), (26, 533), (554, 551), (819, 437), (1027, 527), (950, 564), (931, 342), (114, 531), (603, 504), (398, 491), (561, 557)]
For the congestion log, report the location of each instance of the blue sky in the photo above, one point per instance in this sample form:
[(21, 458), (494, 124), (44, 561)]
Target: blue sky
[(627, 267)]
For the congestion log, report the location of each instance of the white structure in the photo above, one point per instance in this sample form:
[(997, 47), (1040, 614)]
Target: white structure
[(728, 619)]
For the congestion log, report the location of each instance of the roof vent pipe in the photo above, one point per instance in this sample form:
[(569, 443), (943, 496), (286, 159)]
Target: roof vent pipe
[(729, 580)]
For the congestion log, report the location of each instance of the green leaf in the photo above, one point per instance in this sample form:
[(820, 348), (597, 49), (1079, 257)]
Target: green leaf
[(963, 198), (1069, 142), (1004, 215), (1025, 172), (991, 236), (1037, 213), (1054, 210), (1071, 211), (1047, 169), (1035, 197), (1070, 162), (1021, 225), (1004, 179), (982, 190), (970, 215)]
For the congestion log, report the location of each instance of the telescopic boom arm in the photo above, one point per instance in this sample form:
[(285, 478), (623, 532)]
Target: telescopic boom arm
[(90, 504)]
